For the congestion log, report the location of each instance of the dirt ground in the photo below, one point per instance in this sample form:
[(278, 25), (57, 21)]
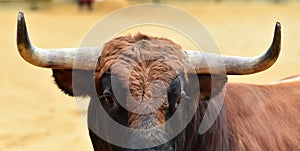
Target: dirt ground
[(35, 115)]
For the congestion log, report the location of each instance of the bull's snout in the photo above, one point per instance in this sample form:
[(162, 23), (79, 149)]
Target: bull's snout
[(152, 139), (163, 147)]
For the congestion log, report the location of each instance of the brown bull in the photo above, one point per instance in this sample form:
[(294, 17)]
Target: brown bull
[(141, 82)]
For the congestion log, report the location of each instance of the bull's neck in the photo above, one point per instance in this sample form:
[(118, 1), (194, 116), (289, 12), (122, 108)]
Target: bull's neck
[(211, 133)]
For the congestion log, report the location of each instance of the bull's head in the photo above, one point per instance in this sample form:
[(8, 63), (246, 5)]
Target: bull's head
[(140, 80)]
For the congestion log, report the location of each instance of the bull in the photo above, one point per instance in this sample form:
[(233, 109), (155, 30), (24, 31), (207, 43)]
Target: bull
[(140, 82)]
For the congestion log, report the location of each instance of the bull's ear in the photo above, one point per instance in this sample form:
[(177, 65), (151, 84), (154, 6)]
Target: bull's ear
[(74, 82), (211, 85)]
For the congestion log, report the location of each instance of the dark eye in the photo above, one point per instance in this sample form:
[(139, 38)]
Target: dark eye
[(175, 92), (107, 100), (104, 90)]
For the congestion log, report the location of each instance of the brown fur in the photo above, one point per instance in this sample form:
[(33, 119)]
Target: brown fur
[(114, 48), (253, 117), (150, 70), (264, 117)]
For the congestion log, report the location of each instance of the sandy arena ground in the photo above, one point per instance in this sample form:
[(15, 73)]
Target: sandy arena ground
[(35, 115)]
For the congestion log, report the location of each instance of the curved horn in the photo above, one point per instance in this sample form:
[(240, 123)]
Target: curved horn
[(86, 58), (202, 62)]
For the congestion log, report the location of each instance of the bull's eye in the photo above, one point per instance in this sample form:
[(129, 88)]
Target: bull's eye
[(107, 99), (177, 102), (106, 96), (176, 92)]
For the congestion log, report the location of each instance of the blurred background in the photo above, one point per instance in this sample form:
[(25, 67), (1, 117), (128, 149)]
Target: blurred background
[(35, 115)]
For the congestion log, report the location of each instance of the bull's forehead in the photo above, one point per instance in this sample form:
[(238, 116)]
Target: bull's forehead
[(132, 50), (147, 61), (146, 69), (147, 78), (149, 53)]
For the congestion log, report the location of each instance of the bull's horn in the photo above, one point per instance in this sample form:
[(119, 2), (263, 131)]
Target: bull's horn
[(67, 58), (207, 63)]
